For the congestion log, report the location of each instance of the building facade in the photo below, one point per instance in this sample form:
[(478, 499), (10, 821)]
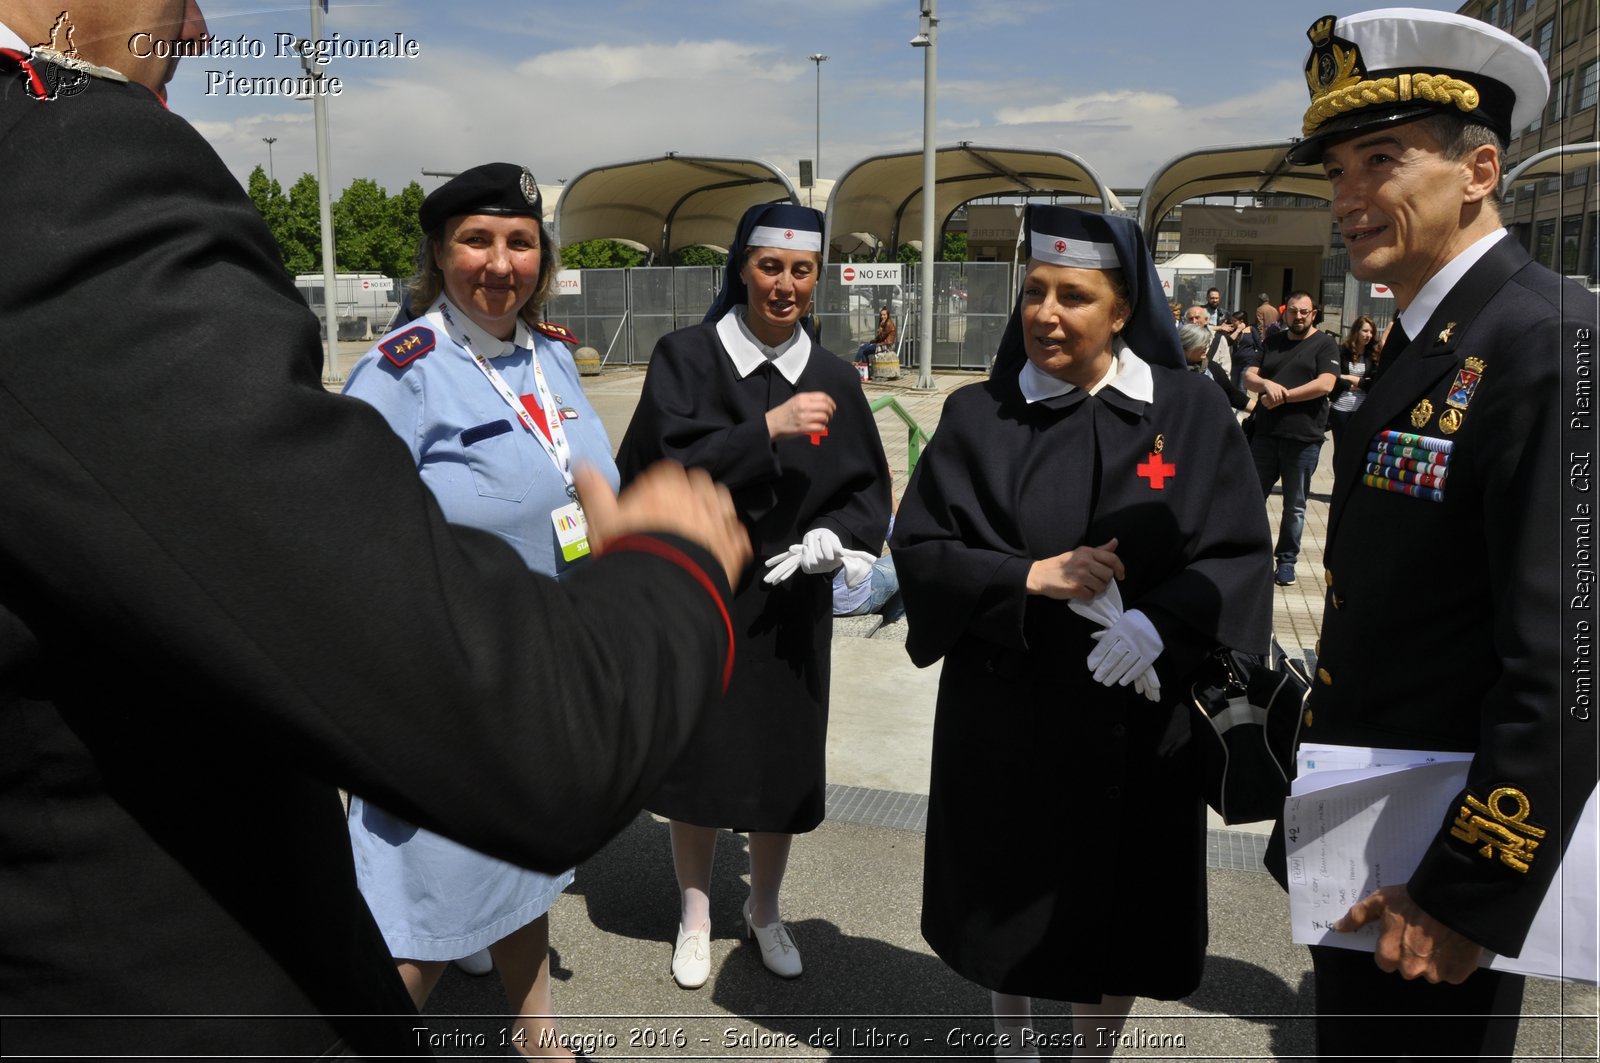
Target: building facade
[(1558, 218)]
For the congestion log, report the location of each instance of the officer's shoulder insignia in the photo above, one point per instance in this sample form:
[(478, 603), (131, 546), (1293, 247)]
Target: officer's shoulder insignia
[(403, 348), (556, 332)]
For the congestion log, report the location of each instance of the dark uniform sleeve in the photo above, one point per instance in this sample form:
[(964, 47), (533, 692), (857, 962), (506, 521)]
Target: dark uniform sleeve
[(689, 414), (1476, 877), (191, 520), (959, 572)]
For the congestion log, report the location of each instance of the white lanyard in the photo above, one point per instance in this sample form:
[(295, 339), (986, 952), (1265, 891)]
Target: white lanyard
[(555, 447)]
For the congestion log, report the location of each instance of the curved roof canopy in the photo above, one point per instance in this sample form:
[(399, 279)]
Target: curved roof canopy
[(880, 198), (1244, 169), (1552, 162), (667, 203)]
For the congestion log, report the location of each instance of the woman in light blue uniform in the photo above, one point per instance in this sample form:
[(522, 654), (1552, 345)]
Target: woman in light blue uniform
[(488, 401)]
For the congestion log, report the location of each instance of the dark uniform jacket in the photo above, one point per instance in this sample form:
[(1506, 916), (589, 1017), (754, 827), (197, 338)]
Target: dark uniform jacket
[(225, 592), (1446, 623)]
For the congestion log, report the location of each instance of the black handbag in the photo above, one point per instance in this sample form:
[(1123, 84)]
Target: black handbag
[(1247, 714)]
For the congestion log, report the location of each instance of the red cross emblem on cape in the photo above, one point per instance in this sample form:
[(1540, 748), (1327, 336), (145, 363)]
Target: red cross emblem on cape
[(816, 437), (1157, 471)]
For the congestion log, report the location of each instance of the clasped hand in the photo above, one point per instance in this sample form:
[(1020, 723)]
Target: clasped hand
[(1077, 574), (806, 413), (1410, 940)]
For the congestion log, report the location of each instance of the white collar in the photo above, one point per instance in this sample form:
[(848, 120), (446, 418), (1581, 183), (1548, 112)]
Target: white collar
[(9, 39), (466, 332), (1414, 318), (1129, 374), (749, 354)]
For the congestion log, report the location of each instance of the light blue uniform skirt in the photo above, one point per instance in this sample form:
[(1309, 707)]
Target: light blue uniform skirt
[(435, 899)]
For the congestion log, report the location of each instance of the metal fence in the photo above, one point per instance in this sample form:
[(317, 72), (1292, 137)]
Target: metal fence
[(622, 313)]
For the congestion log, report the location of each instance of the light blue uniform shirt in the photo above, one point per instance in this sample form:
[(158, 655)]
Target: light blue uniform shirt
[(477, 458)]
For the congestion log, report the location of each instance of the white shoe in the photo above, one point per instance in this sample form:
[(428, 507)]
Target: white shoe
[(778, 949), (478, 964), (691, 957)]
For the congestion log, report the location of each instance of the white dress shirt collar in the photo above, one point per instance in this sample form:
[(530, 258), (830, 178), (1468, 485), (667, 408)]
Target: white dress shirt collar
[(749, 354), (466, 333), (1414, 318), (1128, 374)]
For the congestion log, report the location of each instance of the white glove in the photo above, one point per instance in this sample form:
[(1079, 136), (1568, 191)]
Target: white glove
[(1125, 650), (783, 565), (1104, 608), (820, 551), (857, 567), (1148, 685)]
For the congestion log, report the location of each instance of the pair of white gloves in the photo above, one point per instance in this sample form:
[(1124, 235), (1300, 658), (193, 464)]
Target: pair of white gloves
[(1128, 645), (819, 552)]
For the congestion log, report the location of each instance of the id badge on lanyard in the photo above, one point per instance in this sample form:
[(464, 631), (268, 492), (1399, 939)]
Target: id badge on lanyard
[(571, 527)]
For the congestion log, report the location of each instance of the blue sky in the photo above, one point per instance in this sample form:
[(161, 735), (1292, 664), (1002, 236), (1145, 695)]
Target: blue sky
[(562, 87)]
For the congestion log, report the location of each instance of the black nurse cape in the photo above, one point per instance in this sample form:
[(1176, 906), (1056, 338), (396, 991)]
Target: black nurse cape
[(757, 760), (1065, 850)]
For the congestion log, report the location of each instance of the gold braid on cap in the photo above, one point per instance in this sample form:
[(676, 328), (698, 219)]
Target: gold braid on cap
[(1431, 88)]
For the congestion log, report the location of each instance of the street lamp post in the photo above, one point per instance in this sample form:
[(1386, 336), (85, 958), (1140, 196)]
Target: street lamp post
[(319, 111), (272, 174), (816, 163), (927, 38)]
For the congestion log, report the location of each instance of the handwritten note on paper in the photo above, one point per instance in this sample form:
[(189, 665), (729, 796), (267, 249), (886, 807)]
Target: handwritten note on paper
[(1360, 819), (1357, 831)]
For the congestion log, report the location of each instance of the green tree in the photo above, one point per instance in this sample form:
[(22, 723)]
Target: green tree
[(301, 235), (269, 199), (699, 255), (405, 207), (952, 249), (599, 254)]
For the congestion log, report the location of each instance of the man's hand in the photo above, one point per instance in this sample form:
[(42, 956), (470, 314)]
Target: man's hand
[(1273, 394), (806, 414), (1081, 573), (1410, 940), (666, 497)]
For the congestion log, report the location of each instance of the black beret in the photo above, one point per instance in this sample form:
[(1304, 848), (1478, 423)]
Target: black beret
[(493, 188)]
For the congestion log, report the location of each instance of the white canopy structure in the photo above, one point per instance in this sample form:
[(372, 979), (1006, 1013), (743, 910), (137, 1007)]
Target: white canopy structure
[(1244, 169), (1552, 162), (667, 203), (878, 201)]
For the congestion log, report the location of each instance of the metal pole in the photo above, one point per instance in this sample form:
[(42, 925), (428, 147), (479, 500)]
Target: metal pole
[(930, 31), (330, 295), (816, 162), (272, 173)]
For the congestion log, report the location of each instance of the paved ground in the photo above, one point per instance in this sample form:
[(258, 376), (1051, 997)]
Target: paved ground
[(872, 987)]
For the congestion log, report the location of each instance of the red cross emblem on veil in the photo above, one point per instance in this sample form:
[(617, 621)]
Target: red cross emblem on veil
[(788, 234), (1061, 247)]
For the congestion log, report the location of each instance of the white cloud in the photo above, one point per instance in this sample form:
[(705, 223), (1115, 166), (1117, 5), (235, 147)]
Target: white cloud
[(684, 61), (1118, 108)]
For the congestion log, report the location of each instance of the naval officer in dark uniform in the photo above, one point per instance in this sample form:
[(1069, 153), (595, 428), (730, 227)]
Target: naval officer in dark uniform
[(1444, 619)]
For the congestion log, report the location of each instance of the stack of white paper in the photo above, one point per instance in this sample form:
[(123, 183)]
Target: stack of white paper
[(1358, 819)]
